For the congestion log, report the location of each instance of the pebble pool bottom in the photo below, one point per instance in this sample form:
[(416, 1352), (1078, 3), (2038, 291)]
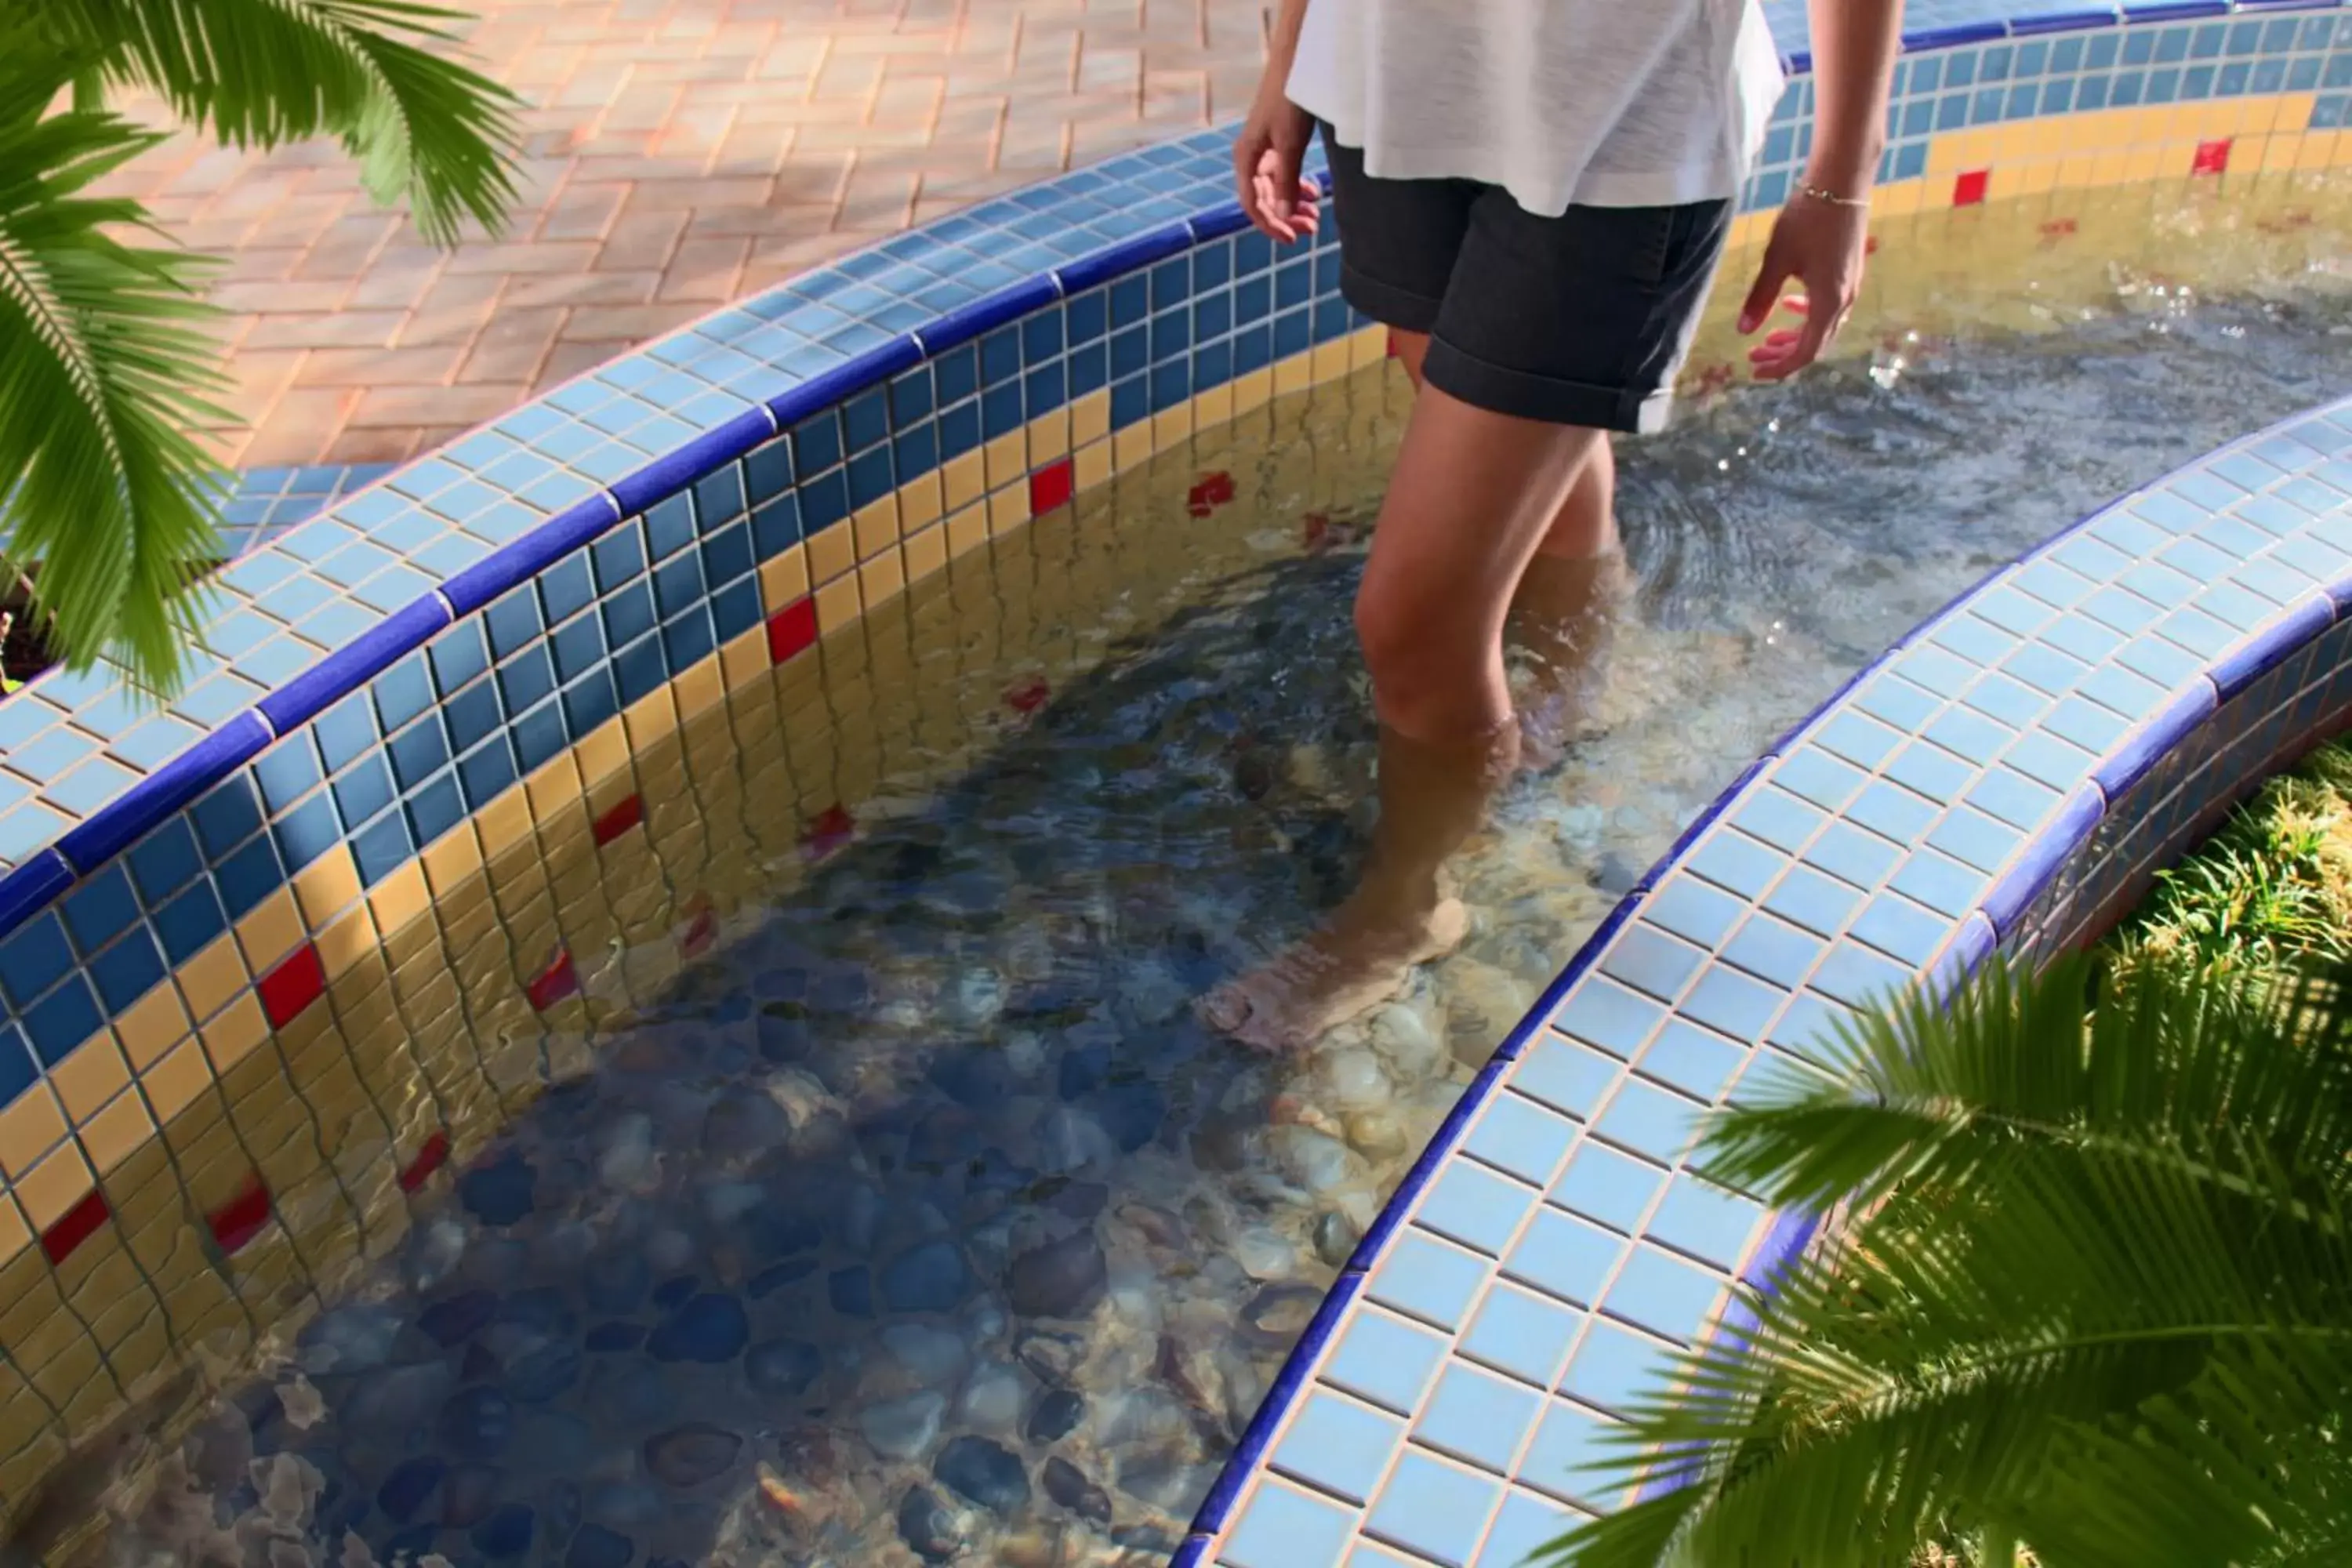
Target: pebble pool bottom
[(925, 1224)]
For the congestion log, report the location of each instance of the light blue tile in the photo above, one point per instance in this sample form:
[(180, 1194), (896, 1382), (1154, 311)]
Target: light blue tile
[(1974, 838), (1705, 1221), (1522, 1138), (1731, 1003), (1927, 770), (28, 828), (1858, 977), (1811, 773), (1609, 1185), (1861, 740), (1694, 1060), (1283, 1526), (1774, 951), (48, 755), (1522, 1333), (1648, 960), (1615, 1365), (1428, 1278), (1339, 1445), (1806, 898), (2007, 796), (1603, 1013), (1664, 1294), (1565, 1075), (1578, 1453), (1477, 1417), (1474, 1206), (1852, 854), (86, 788), (1436, 1509), (1941, 882), (1895, 925), (1730, 859), (1384, 1360), (1779, 818), (1526, 1525), (1692, 910), (1565, 1258), (1650, 1122)]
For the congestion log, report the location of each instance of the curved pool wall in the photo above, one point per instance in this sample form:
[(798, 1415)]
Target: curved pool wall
[(234, 1047)]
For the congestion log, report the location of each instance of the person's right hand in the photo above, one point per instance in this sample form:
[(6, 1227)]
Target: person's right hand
[(1267, 152)]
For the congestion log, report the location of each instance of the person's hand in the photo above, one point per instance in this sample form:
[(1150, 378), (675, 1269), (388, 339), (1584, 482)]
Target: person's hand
[(1267, 152), (1820, 246)]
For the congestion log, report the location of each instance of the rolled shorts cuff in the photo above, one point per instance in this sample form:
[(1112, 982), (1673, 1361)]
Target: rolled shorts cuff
[(1385, 302), (1552, 400)]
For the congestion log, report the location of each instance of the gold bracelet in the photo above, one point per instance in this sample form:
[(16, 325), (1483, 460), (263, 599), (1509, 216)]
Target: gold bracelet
[(1814, 193)]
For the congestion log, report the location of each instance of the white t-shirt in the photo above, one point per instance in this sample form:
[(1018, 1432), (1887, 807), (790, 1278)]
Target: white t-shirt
[(1612, 104)]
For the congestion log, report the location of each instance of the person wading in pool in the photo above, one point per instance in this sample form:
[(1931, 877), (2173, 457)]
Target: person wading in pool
[(1532, 195)]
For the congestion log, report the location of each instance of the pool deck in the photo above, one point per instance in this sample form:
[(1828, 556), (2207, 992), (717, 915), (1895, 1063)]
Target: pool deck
[(679, 154)]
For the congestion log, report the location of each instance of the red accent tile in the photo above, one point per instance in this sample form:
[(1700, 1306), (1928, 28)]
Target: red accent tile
[(556, 982), (622, 815), (428, 1160), (1051, 486), (75, 1225), (2212, 157), (1029, 696), (791, 629), (1968, 190), (1214, 491), (701, 929), (2059, 229), (828, 831), (298, 980), (241, 1218)]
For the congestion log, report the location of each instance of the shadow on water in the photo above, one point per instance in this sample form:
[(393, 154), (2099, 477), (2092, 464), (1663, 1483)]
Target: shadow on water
[(924, 1223)]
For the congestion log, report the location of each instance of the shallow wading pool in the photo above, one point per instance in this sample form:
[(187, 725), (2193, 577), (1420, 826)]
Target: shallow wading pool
[(674, 1046), (919, 1209)]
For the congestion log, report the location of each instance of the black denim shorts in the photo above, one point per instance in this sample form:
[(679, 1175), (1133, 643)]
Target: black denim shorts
[(1582, 319)]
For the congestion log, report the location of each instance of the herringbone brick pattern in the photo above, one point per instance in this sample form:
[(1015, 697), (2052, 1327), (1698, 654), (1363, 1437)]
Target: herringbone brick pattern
[(680, 153)]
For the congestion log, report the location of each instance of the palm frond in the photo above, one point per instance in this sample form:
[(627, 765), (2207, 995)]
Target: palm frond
[(104, 367), (425, 130), (2102, 1255)]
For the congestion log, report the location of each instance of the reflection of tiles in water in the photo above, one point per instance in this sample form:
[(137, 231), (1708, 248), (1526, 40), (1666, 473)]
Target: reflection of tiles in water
[(571, 901)]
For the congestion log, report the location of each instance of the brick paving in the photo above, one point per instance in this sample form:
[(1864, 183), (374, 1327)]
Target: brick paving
[(679, 154)]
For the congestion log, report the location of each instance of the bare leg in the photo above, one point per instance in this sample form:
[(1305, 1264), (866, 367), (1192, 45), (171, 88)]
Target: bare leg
[(1564, 611), (1474, 496)]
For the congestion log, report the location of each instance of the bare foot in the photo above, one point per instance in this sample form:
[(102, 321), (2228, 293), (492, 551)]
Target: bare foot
[(1341, 972)]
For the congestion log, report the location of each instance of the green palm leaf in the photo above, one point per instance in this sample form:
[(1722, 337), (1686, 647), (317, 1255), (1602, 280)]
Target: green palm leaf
[(425, 130), (2097, 1298), (103, 370)]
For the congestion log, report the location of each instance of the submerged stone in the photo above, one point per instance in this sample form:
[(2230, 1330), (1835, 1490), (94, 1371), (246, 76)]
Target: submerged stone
[(984, 1472), (1063, 1279), (709, 1328), (690, 1455), (931, 1277)]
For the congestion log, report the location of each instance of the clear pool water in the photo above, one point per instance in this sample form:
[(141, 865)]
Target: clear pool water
[(925, 1224)]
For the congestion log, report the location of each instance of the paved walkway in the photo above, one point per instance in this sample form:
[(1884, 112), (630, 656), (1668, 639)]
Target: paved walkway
[(680, 153)]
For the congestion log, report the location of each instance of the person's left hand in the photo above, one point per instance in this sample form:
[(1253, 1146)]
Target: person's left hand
[(1820, 247)]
